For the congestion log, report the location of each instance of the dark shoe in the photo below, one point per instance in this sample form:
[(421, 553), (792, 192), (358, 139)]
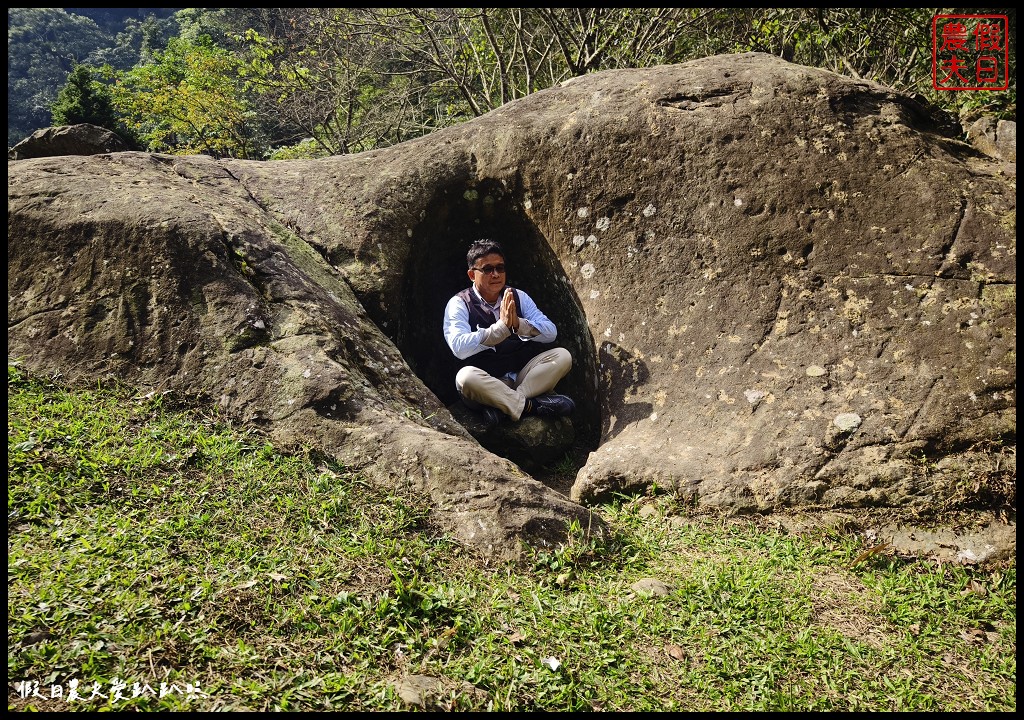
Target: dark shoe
[(552, 405), (491, 416)]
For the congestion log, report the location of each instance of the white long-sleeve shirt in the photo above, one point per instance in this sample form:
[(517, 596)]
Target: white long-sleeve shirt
[(465, 341)]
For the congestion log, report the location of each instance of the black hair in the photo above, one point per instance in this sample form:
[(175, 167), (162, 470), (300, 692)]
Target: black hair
[(482, 248)]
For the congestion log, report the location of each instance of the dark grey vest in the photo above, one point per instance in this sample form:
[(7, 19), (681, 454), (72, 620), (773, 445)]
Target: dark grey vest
[(511, 354)]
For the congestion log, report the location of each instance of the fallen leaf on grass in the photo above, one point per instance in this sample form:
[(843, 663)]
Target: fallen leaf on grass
[(440, 643), (976, 588), (868, 553)]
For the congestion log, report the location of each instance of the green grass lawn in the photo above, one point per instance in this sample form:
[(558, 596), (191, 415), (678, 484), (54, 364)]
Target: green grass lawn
[(159, 559)]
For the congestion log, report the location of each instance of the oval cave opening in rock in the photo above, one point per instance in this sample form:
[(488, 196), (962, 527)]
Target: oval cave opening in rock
[(436, 270)]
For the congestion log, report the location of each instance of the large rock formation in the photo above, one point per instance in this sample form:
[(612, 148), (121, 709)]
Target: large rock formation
[(783, 289), (81, 139)]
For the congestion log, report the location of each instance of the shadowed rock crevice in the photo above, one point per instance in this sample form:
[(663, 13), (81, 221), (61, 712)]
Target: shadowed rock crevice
[(436, 270)]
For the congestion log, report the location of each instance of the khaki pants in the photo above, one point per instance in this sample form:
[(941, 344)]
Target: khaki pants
[(537, 377)]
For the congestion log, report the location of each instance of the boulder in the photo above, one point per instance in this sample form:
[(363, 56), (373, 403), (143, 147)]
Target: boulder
[(784, 290), (81, 139), (996, 138)]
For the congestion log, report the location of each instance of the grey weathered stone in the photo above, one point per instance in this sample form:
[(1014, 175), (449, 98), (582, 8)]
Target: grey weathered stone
[(81, 139), (1006, 140), (651, 587), (702, 234), (533, 443), (418, 689), (847, 421), (997, 138)]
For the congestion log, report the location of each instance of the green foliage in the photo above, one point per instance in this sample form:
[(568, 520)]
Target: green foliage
[(43, 46), (310, 82), (134, 40), (891, 46), (307, 149), (84, 100), (328, 82), (189, 100)]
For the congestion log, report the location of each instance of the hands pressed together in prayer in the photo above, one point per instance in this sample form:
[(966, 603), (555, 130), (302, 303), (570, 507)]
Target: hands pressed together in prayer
[(508, 311)]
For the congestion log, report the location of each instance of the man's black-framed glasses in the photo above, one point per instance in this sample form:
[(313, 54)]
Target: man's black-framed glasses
[(488, 269)]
